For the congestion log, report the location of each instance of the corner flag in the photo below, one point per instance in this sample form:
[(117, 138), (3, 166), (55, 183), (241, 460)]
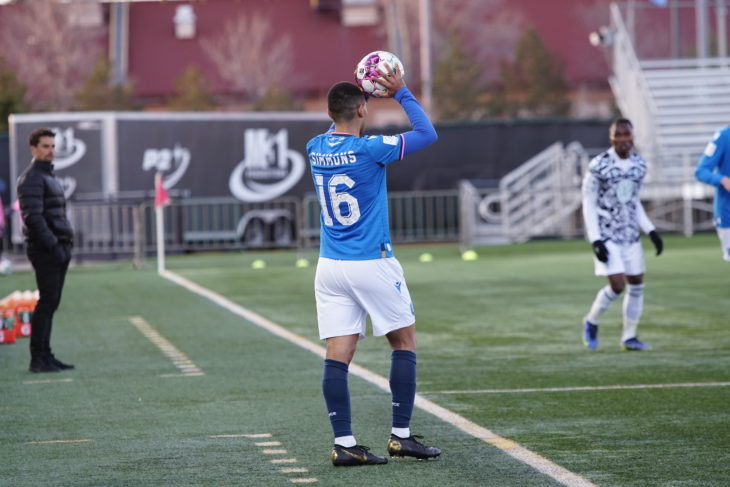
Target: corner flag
[(162, 198)]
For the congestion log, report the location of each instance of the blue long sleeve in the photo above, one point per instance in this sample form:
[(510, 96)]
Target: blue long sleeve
[(423, 133), (711, 168)]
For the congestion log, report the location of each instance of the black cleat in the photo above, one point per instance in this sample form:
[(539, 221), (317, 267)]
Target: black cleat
[(411, 447), (60, 364), (354, 456), (41, 365)]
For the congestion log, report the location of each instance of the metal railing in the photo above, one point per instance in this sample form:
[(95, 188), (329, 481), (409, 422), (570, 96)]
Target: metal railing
[(537, 197), (630, 87), (106, 230), (415, 216)]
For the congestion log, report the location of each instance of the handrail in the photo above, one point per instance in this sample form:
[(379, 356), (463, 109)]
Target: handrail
[(631, 87)]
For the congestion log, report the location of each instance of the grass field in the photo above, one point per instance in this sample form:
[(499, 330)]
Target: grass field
[(172, 389)]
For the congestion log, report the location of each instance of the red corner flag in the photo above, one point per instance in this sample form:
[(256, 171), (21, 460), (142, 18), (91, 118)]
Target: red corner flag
[(161, 196)]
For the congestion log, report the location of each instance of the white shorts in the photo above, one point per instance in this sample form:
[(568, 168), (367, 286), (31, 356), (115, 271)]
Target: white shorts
[(622, 259), (347, 291), (724, 234)]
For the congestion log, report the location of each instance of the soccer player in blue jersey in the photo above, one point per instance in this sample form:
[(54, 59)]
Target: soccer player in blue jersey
[(357, 274), (714, 169), (614, 218)]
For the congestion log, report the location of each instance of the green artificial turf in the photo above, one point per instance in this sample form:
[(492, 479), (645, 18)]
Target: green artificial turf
[(508, 321)]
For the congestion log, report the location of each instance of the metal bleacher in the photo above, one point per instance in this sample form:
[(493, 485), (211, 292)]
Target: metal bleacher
[(675, 105), (692, 100)]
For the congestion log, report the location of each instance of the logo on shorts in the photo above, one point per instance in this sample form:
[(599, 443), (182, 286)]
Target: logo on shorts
[(397, 285)]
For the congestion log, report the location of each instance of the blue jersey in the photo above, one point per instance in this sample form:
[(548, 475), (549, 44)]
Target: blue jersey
[(349, 178), (713, 166)]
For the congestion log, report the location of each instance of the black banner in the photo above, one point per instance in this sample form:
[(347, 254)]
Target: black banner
[(260, 157)]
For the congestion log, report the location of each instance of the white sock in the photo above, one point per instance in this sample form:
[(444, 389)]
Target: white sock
[(401, 432), (633, 307), (346, 441), (604, 299)]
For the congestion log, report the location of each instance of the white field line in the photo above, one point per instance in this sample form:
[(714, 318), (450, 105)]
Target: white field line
[(583, 388), (179, 359), (46, 381), (283, 460), (538, 462), (243, 435), (50, 442)]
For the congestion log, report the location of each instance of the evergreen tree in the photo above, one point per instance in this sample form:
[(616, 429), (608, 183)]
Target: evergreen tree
[(532, 86), (192, 92), (277, 99), (98, 92), (12, 95), (456, 84)]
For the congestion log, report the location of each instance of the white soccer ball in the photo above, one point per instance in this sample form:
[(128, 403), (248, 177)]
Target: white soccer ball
[(367, 70), (6, 267)]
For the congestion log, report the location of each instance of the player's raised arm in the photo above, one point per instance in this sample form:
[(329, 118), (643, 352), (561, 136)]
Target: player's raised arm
[(423, 133)]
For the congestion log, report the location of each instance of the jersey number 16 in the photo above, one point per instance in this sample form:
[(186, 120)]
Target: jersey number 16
[(338, 200)]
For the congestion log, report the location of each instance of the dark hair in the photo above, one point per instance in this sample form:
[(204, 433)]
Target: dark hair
[(35, 136), (620, 121), (343, 100)]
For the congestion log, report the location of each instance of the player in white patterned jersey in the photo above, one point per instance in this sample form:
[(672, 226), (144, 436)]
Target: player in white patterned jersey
[(614, 218)]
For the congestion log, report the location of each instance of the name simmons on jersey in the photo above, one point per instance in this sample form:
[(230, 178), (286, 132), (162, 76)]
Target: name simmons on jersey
[(333, 159), (616, 183)]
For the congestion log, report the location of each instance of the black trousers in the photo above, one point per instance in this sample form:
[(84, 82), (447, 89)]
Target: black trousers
[(50, 275)]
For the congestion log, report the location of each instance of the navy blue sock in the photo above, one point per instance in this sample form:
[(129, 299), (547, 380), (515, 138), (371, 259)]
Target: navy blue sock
[(402, 386), (337, 396)]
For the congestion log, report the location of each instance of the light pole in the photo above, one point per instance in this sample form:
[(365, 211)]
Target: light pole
[(425, 17)]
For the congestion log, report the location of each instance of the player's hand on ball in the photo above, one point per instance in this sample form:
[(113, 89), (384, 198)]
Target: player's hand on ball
[(391, 80), (600, 250), (657, 241)]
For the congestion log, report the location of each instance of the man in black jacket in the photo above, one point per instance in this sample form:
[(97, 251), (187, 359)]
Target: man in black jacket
[(49, 238)]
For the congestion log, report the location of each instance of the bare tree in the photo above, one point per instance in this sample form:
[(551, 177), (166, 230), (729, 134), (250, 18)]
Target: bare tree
[(49, 54), (249, 55)]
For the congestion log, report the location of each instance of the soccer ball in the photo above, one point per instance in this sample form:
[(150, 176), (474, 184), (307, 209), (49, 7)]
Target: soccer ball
[(6, 267), (367, 70)]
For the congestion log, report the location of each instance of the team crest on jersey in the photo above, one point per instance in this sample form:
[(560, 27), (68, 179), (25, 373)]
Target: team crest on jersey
[(625, 190)]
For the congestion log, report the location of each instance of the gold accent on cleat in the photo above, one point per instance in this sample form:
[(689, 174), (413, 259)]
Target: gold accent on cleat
[(394, 447)]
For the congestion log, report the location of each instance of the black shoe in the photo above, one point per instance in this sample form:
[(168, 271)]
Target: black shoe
[(42, 365), (60, 364), (411, 447), (354, 456)]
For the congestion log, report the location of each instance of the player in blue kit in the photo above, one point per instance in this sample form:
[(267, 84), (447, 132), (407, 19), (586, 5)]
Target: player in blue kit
[(357, 274), (714, 169)]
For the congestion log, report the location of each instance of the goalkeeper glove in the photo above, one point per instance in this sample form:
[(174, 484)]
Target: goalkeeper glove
[(599, 248), (657, 241)]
